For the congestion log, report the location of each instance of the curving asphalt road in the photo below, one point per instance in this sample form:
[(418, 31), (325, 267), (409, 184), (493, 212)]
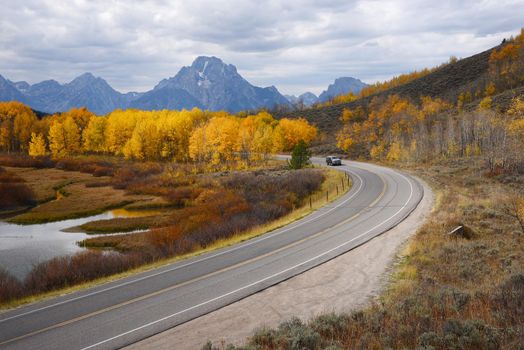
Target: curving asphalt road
[(125, 311)]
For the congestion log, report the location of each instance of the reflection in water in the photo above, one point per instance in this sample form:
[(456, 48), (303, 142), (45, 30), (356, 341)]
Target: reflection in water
[(23, 246), (124, 213)]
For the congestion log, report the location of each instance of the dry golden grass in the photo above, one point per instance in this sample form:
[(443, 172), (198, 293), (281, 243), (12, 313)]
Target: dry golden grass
[(121, 224), (64, 195), (46, 182), (333, 180)]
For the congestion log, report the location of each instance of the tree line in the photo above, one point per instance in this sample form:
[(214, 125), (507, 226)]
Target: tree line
[(394, 128), (187, 135), (398, 130)]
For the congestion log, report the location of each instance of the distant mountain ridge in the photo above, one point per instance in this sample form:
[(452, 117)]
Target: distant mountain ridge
[(341, 86), (307, 99), (50, 96), (208, 83), (218, 86)]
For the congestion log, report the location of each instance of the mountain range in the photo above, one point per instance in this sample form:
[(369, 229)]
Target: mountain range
[(208, 83), (340, 86)]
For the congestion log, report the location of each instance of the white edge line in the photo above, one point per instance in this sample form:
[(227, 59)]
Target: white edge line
[(259, 281), (232, 249)]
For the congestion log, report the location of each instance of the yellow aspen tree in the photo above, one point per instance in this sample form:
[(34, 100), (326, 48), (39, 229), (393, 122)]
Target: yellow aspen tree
[(119, 129), (93, 136), (262, 142), (151, 141), (246, 137), (294, 130), (6, 134), (394, 152), (485, 103), (23, 125), (81, 116), (344, 139), (144, 142), (347, 115), (197, 145), (377, 151), (222, 135), (490, 89), (71, 135), (17, 121), (278, 139), (57, 142), (37, 146)]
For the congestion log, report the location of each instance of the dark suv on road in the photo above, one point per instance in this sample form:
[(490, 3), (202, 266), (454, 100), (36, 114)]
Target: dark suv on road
[(333, 160)]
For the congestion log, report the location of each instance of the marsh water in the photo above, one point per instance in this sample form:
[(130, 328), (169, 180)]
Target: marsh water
[(23, 246)]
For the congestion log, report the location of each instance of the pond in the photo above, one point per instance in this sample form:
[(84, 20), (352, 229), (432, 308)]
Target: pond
[(23, 246)]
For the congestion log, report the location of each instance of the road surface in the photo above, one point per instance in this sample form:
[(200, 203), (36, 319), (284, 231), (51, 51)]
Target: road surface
[(122, 312)]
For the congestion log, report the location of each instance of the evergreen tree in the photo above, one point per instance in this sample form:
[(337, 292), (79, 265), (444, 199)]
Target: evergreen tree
[(300, 156)]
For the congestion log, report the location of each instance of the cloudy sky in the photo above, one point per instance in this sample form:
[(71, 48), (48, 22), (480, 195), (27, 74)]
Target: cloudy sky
[(294, 45)]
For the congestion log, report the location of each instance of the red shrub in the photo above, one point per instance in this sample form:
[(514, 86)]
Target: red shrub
[(24, 161), (10, 287), (15, 193)]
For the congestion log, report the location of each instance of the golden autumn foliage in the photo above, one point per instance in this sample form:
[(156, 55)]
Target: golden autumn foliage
[(490, 89), (37, 146), (71, 135), (517, 108), (294, 130), (344, 98), (57, 140), (485, 103), (506, 71), (16, 121), (182, 136), (93, 135), (507, 63), (396, 129)]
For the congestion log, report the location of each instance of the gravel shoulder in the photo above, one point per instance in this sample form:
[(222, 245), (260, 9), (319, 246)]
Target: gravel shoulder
[(345, 283)]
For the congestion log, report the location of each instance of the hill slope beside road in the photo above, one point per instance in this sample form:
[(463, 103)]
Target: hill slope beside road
[(446, 83)]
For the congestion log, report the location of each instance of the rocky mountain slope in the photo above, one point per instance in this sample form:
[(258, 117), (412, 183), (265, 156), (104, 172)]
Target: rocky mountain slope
[(208, 83), (218, 86)]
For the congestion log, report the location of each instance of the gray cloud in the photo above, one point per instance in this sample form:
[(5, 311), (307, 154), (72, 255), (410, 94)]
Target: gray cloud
[(295, 45)]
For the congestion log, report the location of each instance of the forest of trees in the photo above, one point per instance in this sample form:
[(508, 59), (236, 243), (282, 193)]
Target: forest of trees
[(402, 129), (193, 135), (398, 130)]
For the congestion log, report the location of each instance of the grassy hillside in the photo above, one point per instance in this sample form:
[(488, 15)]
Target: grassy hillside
[(447, 82)]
